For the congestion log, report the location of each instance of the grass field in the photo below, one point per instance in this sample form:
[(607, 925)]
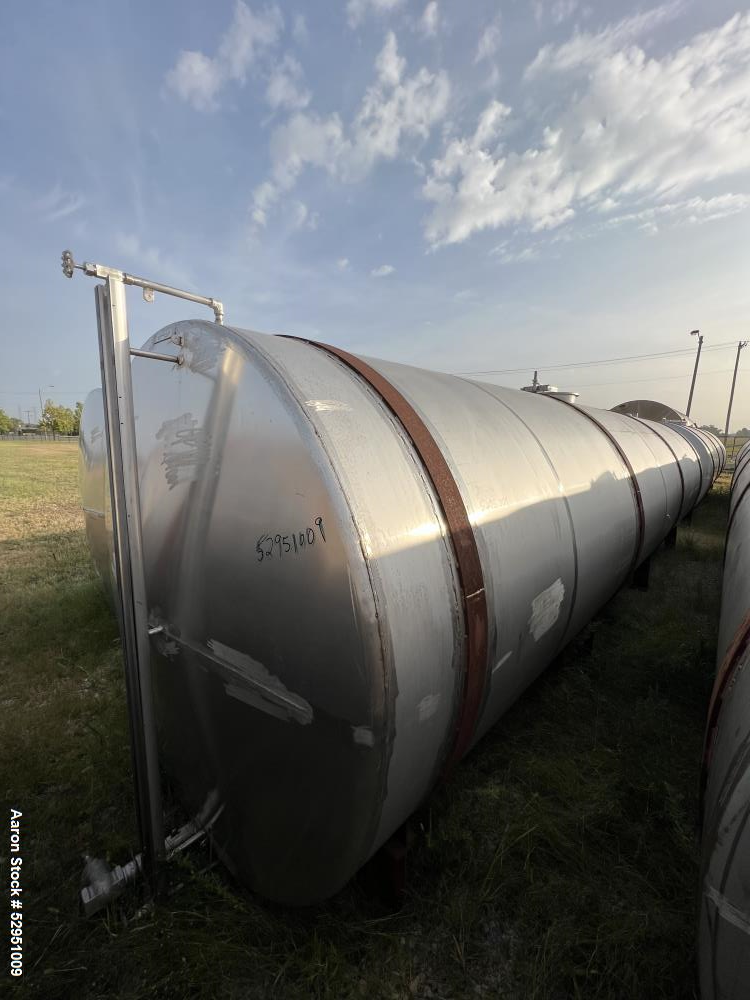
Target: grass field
[(734, 444), (561, 861)]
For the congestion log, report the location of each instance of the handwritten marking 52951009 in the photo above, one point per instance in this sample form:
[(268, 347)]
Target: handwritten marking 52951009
[(277, 546)]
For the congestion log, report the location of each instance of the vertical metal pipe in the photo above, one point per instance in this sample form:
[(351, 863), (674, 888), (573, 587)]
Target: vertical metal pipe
[(114, 353), (740, 345), (695, 373)]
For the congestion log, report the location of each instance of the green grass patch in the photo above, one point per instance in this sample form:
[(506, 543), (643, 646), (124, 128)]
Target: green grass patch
[(561, 860)]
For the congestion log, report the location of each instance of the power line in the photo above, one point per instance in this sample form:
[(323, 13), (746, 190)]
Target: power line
[(636, 381), (604, 361)]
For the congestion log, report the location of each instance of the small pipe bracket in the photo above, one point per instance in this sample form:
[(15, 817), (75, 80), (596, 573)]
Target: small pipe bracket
[(149, 287)]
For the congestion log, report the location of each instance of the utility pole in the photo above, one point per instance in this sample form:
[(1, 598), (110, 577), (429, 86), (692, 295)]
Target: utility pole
[(740, 345), (699, 335)]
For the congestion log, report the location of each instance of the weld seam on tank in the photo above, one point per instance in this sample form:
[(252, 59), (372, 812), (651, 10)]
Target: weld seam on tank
[(428, 488), (566, 502), (736, 773), (744, 460), (727, 909), (463, 542), (390, 683), (725, 776), (733, 513), (695, 452), (713, 455), (640, 514), (686, 433), (673, 454), (722, 682), (722, 890)]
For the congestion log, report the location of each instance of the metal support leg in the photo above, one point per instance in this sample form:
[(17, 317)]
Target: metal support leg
[(114, 353), (671, 540)]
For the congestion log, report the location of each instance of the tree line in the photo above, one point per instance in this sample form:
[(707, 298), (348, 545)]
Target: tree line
[(56, 419), (62, 420), (742, 432)]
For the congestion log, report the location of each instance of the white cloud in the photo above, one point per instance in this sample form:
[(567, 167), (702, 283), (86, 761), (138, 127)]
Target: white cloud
[(510, 255), (150, 259), (586, 48), (264, 198), (306, 140), (430, 20), (489, 41), (561, 10), (383, 271), (357, 10), (299, 29), (198, 79), (302, 217), (59, 204), (285, 85), (389, 64), (343, 264), (394, 108), (626, 127), (687, 211)]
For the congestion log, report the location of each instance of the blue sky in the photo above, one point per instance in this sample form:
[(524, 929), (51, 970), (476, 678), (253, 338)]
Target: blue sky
[(464, 186)]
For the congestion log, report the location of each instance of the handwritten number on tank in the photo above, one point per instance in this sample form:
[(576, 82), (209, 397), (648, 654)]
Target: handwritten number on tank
[(269, 545)]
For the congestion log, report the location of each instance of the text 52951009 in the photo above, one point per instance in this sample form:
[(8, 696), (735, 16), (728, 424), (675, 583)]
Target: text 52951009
[(16, 903)]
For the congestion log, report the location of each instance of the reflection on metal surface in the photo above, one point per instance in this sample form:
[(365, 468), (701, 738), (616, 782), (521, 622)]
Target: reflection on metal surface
[(723, 946), (651, 409), (301, 562)]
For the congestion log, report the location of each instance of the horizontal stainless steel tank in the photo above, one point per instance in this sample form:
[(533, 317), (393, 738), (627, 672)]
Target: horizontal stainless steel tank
[(358, 566), (724, 924)]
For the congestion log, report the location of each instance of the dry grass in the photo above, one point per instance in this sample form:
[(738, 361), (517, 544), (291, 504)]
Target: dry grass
[(560, 862)]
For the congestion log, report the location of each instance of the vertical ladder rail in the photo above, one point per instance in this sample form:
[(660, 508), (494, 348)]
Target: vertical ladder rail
[(122, 463), (122, 460)]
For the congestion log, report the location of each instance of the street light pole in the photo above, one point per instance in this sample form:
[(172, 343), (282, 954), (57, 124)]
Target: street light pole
[(740, 345), (699, 335)]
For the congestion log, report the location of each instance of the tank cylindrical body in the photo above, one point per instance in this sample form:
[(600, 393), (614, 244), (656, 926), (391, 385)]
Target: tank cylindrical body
[(311, 584), (724, 925)]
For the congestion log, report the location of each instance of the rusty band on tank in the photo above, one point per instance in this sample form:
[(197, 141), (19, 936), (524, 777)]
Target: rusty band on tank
[(470, 576), (671, 451), (724, 677), (640, 513)]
